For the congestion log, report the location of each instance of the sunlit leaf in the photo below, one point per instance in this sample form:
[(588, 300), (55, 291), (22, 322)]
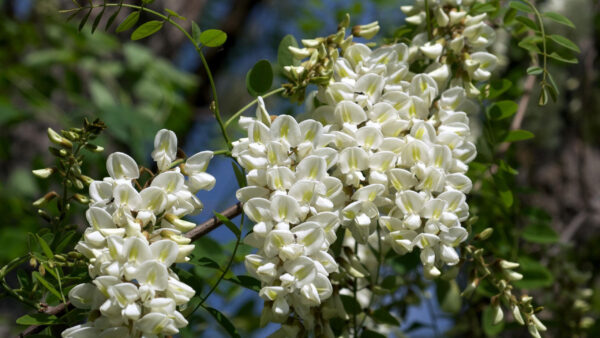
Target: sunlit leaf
[(147, 29), (213, 38), (129, 22), (518, 135)]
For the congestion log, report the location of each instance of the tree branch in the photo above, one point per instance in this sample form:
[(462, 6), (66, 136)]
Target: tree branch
[(194, 234)]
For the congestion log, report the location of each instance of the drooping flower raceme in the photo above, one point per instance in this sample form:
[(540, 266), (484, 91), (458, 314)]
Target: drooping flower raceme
[(293, 201), (134, 237), (396, 143)]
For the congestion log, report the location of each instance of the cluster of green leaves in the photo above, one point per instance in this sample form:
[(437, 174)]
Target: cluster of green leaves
[(536, 41)]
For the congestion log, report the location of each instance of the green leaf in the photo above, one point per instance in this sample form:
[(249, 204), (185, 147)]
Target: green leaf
[(97, 20), (383, 316), (46, 284), (239, 175), (247, 282), (448, 294), (196, 33), (175, 14), (229, 224), (223, 321), (498, 87), (260, 78), (206, 262), (561, 40), (213, 37), (520, 6), (502, 109), (527, 22), (112, 18), (557, 57), (561, 19), (506, 194), (284, 56), (535, 70), (37, 319), (482, 8), (543, 99), (487, 321), (147, 29), (518, 135), (129, 22), (84, 20), (540, 232), (45, 247), (350, 305), (509, 17), (535, 275), (366, 333), (65, 241), (507, 168)]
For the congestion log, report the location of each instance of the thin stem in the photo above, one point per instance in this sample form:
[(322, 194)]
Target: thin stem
[(227, 267), (428, 19), (355, 322), (246, 107), (538, 16), (226, 152), (214, 108)]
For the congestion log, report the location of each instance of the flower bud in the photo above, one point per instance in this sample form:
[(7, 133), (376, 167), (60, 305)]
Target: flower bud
[(497, 313), (538, 324), (517, 314), (533, 331), (86, 179), (441, 17), (299, 53), (94, 148), (367, 31), (485, 234), (508, 265), (56, 138), (81, 198), (45, 199), (179, 223), (512, 275), (43, 173)]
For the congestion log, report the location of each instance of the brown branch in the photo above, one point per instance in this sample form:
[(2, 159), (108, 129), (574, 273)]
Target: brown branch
[(194, 234), (214, 222)]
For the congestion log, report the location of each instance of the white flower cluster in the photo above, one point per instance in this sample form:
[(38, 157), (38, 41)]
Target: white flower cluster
[(293, 200), (467, 49), (391, 151), (133, 239), (403, 157)]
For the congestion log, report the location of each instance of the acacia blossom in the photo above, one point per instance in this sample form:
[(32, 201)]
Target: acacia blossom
[(133, 239)]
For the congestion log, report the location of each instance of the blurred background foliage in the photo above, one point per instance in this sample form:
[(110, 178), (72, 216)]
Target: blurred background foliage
[(544, 202)]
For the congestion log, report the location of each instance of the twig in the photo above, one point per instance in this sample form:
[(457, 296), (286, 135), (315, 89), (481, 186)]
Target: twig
[(194, 234), (57, 310), (214, 222)]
